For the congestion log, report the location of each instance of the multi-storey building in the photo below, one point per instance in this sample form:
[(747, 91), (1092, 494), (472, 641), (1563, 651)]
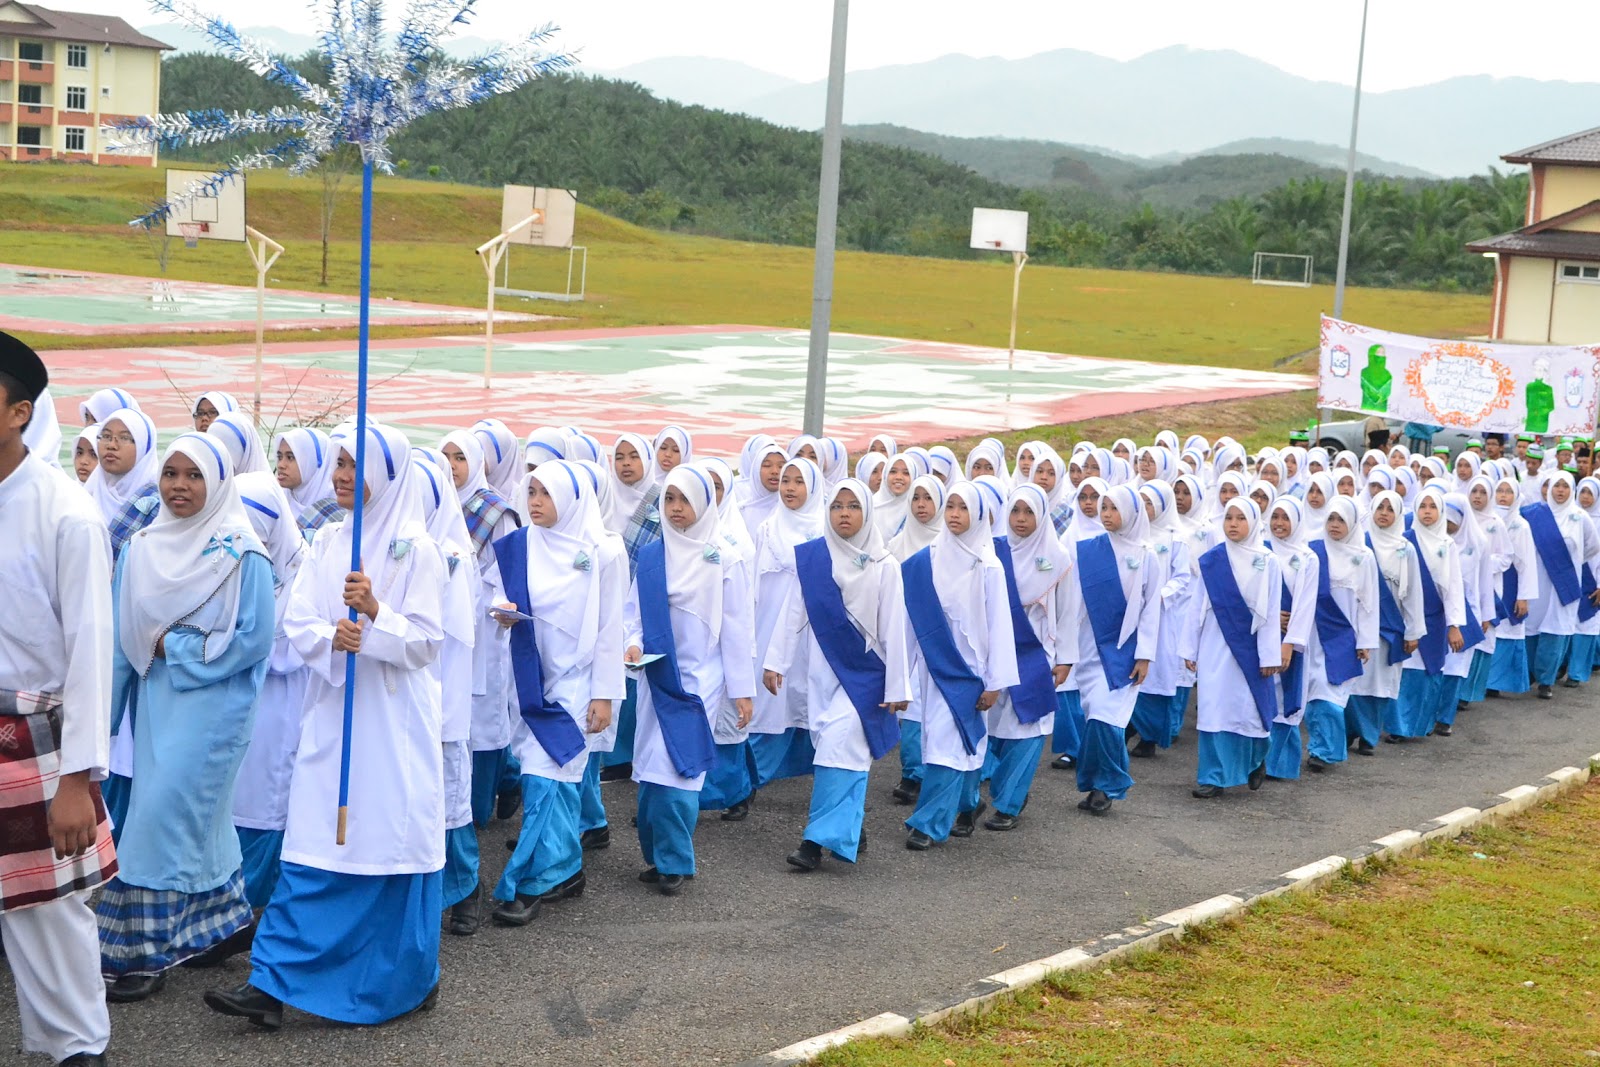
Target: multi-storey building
[(63, 74)]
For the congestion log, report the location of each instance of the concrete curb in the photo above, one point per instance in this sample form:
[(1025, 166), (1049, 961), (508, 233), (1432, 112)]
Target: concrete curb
[(1172, 926)]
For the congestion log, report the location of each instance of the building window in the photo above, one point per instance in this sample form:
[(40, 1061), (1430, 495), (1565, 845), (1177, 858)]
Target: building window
[(30, 52), (29, 136), (76, 136), (78, 56), (1580, 272), (77, 98), (30, 94)]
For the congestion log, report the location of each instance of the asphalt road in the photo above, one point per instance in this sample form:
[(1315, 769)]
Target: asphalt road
[(753, 957)]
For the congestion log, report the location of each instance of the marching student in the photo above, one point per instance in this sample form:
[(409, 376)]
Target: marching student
[(921, 529), (195, 625), (103, 403), (352, 932), (1426, 687), (1038, 570), (673, 446), (1401, 623), (1517, 584), (566, 577), (846, 630), (636, 483), (731, 781), (955, 596), (56, 639), (1564, 541), (209, 407), (125, 485), (1302, 572), (238, 434), (503, 463), (1117, 614), (1477, 586), (84, 457), (1344, 639), (303, 460), (892, 503), (1153, 712), (1234, 644), (1581, 657), (690, 607)]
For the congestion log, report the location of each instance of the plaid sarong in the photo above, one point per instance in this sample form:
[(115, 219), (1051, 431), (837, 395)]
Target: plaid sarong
[(483, 512), (319, 515), (644, 527), (1061, 518), (136, 514), (30, 767), (147, 931)]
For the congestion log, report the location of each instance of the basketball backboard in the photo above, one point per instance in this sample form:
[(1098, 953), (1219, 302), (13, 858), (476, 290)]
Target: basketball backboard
[(554, 211), (218, 215), (996, 230)]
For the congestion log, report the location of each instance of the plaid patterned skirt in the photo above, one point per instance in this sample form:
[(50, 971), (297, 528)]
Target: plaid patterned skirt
[(30, 766), (147, 931)]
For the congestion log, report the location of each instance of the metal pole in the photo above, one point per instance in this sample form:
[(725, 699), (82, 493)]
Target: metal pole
[(1350, 173), (827, 227), (1017, 260)]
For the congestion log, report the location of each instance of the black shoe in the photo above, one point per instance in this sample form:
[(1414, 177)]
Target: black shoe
[(1365, 747), (1441, 729), (508, 804), (1206, 792), (224, 950), (1545, 692), (1316, 764), (1099, 803), (967, 821), (621, 772), (1461, 705), (429, 1002), (1257, 776), (597, 838), (1063, 763), (1392, 739), (511, 844), (1083, 805), (519, 912), (467, 915), (907, 791), (671, 884), (737, 812), (808, 857), (84, 1059), (1492, 693), (649, 876), (247, 1002), (1571, 683), (917, 841), (572, 887), (131, 988), (1143, 750), (1000, 821)]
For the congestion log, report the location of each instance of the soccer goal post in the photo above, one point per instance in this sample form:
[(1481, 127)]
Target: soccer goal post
[(1281, 268)]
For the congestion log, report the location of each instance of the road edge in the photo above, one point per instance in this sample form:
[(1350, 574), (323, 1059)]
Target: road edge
[(1172, 926)]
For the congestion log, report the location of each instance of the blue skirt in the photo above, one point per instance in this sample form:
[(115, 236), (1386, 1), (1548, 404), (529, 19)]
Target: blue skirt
[(1327, 731), (591, 807), (1508, 667), (353, 948), (548, 851), (460, 864), (1580, 658), (1152, 719), (262, 850), (1417, 709), (627, 716), (1103, 760), (667, 819), (1476, 687), (838, 804), (1067, 739), (1364, 717), (487, 769), (1180, 708), (1227, 759), (946, 793), (786, 755), (730, 780), (910, 750), (1548, 652), (1283, 751), (1016, 762)]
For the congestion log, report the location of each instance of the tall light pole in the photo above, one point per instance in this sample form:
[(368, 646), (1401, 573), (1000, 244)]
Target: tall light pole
[(827, 228), (1350, 173)]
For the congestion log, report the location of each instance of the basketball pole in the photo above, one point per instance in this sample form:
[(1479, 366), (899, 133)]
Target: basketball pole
[(264, 252), (827, 228), (490, 254), (1018, 261)]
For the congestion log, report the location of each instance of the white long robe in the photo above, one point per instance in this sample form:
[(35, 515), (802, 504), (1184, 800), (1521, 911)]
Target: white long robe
[(1223, 700), (396, 819), (1167, 672), (492, 706), (1546, 613), (835, 726), (1520, 554), (1301, 578), (261, 791), (1381, 679), (1446, 572), (1051, 621), (1365, 622), (1114, 707)]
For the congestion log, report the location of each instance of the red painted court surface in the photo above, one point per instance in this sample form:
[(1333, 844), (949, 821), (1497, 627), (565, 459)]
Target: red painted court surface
[(722, 383), (86, 304)]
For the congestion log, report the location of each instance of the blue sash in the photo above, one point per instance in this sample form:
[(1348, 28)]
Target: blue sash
[(685, 729), (1553, 552), (1391, 620), (1434, 644), (861, 671), (1106, 603), (957, 684), (1505, 601), (550, 723), (1586, 608), (1035, 696), (1294, 676), (1233, 619), (1334, 629)]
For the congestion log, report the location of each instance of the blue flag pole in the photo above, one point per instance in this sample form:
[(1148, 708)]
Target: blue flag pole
[(361, 484)]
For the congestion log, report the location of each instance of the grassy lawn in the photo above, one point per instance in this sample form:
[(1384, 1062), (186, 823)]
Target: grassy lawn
[(1485, 950), (75, 218)]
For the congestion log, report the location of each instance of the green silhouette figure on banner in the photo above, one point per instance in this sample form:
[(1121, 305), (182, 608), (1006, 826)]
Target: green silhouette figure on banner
[(1376, 381), (1540, 398)]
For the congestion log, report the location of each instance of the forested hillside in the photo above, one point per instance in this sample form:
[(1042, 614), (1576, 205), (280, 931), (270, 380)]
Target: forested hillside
[(670, 166)]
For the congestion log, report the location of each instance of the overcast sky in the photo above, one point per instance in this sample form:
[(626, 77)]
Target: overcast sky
[(1409, 42)]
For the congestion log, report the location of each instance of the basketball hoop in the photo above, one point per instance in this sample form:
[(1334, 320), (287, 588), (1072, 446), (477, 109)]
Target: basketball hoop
[(191, 233)]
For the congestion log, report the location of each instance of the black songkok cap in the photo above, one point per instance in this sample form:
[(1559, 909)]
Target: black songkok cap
[(23, 364)]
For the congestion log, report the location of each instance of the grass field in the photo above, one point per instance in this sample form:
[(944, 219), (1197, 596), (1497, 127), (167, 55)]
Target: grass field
[(74, 217), (1484, 951)]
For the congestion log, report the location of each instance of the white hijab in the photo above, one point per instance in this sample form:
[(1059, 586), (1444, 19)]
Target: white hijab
[(852, 562), (695, 560), (789, 527), (684, 441), (502, 451), (892, 513), (915, 535), (271, 515), (113, 491), (103, 404), (734, 532), (313, 454), (628, 498), (174, 567), (1130, 545), (467, 442), (239, 436), (959, 561), (564, 559), (1348, 557), (1247, 559), (1040, 561), (543, 444), (393, 513), (1389, 544), (223, 402), (1086, 526)]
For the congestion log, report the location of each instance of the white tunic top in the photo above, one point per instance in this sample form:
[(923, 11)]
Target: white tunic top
[(1223, 700)]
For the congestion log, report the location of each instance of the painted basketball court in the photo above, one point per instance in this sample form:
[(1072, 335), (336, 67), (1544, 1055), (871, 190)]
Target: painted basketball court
[(86, 304), (722, 383)]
